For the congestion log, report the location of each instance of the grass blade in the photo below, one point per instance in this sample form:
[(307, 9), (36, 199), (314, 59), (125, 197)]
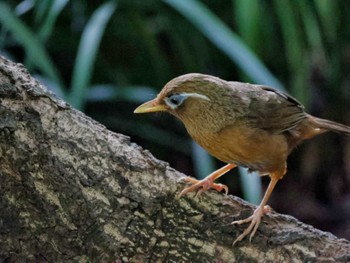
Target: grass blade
[(221, 36), (248, 19), (328, 12), (87, 52), (202, 161), (135, 94), (293, 39), (35, 50), (24, 7), (47, 25)]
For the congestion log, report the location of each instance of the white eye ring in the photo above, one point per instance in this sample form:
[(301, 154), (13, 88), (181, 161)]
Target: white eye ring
[(175, 100), (196, 95)]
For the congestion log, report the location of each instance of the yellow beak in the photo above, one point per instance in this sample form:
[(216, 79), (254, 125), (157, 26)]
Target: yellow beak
[(150, 106)]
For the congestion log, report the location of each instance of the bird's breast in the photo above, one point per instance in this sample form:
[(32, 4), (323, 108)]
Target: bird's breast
[(255, 149)]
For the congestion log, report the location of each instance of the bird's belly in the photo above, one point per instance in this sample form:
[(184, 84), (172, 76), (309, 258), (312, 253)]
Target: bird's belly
[(258, 151)]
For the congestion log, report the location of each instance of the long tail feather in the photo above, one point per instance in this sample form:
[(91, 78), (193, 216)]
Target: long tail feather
[(331, 125)]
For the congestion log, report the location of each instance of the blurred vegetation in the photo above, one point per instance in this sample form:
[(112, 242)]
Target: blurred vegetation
[(106, 57)]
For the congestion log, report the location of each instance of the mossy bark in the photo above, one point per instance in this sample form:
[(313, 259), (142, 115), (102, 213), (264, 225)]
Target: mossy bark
[(73, 191)]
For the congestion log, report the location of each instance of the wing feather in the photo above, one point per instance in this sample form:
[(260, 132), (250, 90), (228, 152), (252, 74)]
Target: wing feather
[(274, 111)]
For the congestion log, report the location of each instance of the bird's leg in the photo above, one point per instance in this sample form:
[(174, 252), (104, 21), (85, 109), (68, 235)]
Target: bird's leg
[(208, 182), (261, 210)]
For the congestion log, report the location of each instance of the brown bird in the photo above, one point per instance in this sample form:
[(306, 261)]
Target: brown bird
[(242, 124)]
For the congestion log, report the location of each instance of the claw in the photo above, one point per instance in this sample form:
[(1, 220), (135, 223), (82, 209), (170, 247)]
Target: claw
[(207, 182), (222, 186), (255, 220), (262, 209), (202, 185)]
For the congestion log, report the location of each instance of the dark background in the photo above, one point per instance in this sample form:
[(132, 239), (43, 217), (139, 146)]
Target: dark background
[(105, 58)]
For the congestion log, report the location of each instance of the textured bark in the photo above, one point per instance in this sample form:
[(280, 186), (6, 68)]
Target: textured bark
[(73, 191)]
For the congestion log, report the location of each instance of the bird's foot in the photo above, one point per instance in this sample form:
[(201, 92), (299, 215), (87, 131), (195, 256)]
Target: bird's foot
[(254, 220), (204, 185)]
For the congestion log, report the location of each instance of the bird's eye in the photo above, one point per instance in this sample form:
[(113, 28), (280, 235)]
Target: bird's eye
[(175, 100)]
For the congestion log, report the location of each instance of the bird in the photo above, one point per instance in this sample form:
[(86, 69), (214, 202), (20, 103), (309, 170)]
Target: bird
[(241, 124)]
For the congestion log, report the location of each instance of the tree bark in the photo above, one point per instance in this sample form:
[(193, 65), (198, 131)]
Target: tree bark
[(73, 191)]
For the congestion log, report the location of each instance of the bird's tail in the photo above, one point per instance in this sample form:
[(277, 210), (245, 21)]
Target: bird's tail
[(330, 125)]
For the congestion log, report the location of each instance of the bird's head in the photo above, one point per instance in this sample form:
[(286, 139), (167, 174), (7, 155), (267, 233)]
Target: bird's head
[(187, 97)]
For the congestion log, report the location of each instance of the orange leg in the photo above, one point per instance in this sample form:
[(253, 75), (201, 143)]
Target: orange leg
[(255, 218), (208, 182)]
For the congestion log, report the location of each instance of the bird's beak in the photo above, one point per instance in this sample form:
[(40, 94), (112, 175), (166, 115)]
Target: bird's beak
[(150, 106)]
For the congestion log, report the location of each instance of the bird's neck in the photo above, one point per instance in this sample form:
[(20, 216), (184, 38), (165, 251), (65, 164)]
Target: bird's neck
[(205, 128)]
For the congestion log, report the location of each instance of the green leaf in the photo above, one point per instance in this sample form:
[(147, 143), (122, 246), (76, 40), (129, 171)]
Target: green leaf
[(202, 161), (87, 52), (35, 50), (41, 8), (223, 37), (24, 7), (248, 18), (329, 13), (46, 27), (135, 94), (295, 47)]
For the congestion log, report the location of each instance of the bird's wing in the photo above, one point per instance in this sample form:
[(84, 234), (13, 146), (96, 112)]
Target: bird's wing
[(273, 110)]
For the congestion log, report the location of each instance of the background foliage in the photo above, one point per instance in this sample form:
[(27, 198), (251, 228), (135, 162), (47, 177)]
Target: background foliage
[(107, 57)]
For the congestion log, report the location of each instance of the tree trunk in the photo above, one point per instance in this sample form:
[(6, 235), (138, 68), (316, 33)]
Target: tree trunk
[(73, 191)]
